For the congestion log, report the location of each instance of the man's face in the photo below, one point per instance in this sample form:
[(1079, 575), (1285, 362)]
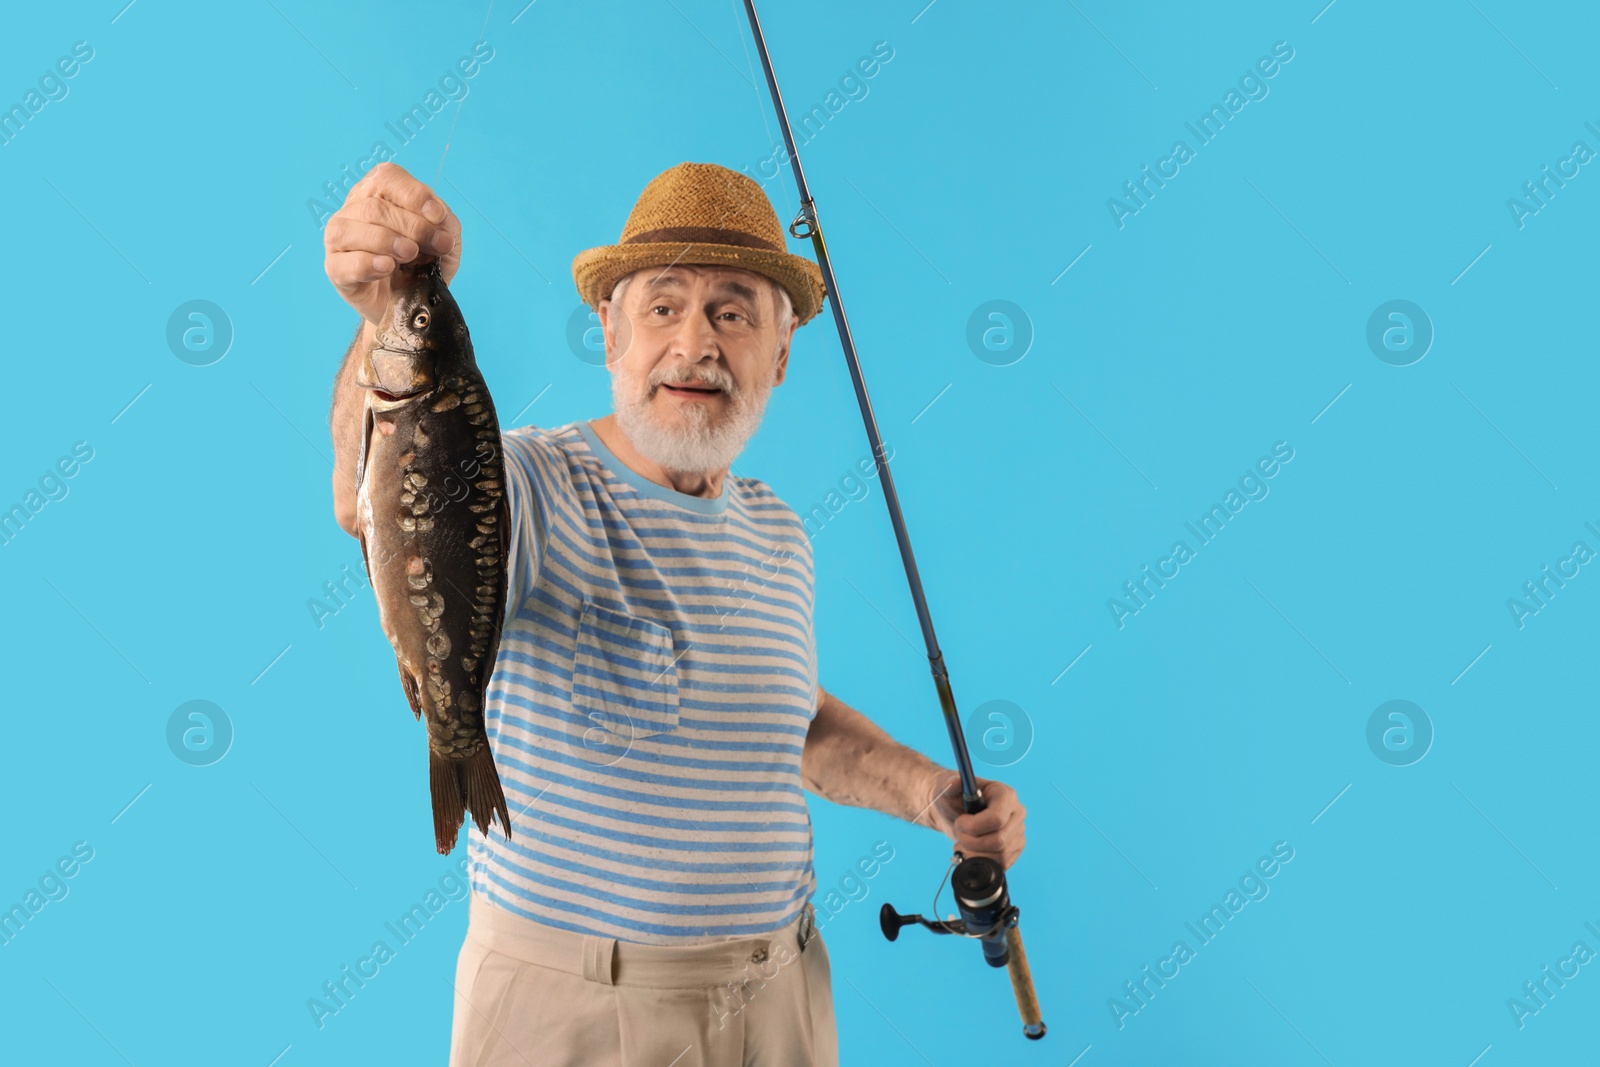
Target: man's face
[(694, 353)]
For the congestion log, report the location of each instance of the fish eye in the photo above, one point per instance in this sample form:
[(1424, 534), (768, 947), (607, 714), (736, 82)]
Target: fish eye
[(420, 320)]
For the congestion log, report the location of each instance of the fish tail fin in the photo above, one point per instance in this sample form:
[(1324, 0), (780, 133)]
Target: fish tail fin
[(459, 785), (485, 798), (444, 782)]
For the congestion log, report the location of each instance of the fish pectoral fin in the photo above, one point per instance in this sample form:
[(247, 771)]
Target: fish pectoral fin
[(366, 439), (412, 691), (361, 536)]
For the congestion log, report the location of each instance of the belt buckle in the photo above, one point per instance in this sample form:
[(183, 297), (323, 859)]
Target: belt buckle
[(808, 928)]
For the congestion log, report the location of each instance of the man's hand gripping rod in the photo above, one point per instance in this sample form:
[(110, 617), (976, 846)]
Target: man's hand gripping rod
[(979, 884)]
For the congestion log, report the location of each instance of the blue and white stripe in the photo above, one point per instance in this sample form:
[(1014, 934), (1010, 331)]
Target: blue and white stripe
[(655, 682)]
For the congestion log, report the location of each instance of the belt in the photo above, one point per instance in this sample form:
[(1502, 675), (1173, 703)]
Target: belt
[(611, 962)]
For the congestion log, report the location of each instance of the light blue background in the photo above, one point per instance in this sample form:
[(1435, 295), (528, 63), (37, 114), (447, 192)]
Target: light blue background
[(1224, 317)]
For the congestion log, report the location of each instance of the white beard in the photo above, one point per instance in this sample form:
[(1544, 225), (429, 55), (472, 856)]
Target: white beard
[(693, 441)]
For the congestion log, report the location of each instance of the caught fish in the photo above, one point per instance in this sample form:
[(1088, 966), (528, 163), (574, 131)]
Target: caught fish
[(432, 520)]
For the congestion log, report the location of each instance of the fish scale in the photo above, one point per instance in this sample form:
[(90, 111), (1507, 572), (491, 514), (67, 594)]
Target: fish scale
[(432, 519)]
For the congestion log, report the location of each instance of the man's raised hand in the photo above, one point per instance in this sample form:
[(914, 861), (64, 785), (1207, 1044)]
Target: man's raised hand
[(388, 218)]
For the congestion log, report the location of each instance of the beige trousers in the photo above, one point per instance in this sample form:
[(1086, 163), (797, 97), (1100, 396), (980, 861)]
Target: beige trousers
[(530, 995)]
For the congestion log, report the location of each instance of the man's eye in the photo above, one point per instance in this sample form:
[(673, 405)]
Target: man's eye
[(735, 314), (661, 307)]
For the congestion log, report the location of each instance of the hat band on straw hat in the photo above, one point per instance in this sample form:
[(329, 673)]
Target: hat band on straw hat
[(702, 215), (702, 235)]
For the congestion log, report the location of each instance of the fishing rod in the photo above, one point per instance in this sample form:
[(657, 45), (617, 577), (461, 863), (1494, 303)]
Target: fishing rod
[(978, 883)]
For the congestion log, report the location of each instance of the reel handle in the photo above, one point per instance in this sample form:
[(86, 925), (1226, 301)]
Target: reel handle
[(890, 921)]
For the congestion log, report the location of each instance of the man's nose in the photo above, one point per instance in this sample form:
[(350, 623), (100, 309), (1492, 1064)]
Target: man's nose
[(695, 339)]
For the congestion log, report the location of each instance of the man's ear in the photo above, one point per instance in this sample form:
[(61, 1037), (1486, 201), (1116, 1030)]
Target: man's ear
[(608, 330), (785, 341)]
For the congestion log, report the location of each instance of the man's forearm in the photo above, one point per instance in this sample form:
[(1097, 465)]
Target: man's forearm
[(345, 424), (848, 759)]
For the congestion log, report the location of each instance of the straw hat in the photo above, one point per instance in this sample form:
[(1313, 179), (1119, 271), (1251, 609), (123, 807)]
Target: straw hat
[(706, 215)]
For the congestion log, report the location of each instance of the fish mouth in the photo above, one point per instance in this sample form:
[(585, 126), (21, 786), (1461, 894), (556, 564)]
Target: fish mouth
[(383, 400)]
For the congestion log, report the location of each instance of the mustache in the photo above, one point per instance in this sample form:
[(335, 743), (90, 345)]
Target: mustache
[(715, 377)]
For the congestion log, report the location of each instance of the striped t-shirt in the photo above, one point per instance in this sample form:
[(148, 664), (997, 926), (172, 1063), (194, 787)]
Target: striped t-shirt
[(655, 682)]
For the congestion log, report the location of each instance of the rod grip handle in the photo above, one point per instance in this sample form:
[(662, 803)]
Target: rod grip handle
[(1022, 986)]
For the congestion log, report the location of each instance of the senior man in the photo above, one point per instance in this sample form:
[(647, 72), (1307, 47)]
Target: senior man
[(654, 709)]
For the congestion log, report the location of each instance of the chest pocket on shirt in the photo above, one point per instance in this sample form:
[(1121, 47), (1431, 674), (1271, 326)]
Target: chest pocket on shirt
[(624, 679)]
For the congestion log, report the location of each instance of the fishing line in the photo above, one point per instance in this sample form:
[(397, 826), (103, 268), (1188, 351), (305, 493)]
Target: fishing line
[(733, 6), (459, 105)]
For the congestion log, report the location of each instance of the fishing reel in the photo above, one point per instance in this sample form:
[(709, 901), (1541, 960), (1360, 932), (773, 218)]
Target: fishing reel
[(979, 886), (987, 915)]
